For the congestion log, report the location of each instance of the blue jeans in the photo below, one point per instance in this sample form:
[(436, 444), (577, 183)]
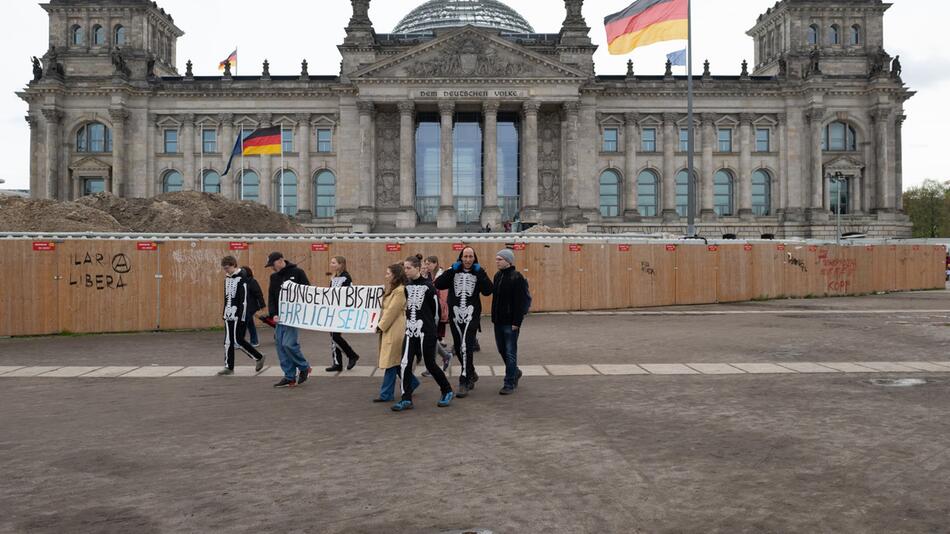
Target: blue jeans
[(252, 330), (389, 383), (288, 351), (506, 339)]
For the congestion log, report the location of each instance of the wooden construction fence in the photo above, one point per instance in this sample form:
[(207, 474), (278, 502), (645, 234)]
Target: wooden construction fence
[(122, 285)]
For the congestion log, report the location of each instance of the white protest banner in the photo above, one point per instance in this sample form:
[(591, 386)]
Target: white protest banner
[(353, 309)]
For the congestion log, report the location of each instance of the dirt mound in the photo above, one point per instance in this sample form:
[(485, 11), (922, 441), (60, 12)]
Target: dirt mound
[(184, 212), (544, 229)]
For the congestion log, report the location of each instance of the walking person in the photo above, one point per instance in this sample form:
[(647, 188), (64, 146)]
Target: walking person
[(237, 309), (257, 299), (465, 281), (510, 302), (421, 306), (392, 330), (432, 271), (292, 362), (338, 345)]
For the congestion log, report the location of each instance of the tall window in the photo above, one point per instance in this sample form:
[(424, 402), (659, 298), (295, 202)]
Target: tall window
[(324, 140), (91, 186), (172, 182), (325, 194), (840, 192), (723, 193), (250, 185), (94, 137), (762, 140), (682, 193), (609, 194), (119, 36), (76, 35), (648, 140), (211, 182), (684, 139), (761, 193), (428, 160), (285, 197), (647, 193), (509, 166), (839, 136), (98, 35), (611, 137), (287, 137), (209, 141), (171, 141), (812, 35), (467, 167), (725, 139), (834, 36), (855, 35)]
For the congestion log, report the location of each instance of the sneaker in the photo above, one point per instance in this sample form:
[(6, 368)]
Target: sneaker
[(334, 369), (463, 390), (402, 406), (258, 344), (473, 380), (426, 374), (304, 375), (352, 362), (518, 377), (382, 400), (507, 390), (446, 400), (285, 383), (259, 366), (471, 384), (226, 372)]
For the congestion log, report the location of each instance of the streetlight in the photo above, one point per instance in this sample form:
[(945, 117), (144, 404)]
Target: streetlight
[(837, 179)]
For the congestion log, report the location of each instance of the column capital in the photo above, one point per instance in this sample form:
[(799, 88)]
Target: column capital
[(266, 119), (366, 107), (880, 114), (571, 108), (188, 119), (52, 115), (814, 114), (446, 107), (900, 118), (491, 106), (631, 118), (226, 119), (304, 118), (782, 118), (745, 119), (531, 107), (118, 115), (406, 107), (31, 120), (707, 119), (669, 119)]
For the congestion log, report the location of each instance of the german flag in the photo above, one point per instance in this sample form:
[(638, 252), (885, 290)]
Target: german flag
[(263, 141), (232, 59), (646, 22)]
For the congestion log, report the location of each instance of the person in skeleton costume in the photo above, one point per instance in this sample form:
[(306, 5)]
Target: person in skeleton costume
[(338, 345), (236, 310), (466, 282), (422, 304)]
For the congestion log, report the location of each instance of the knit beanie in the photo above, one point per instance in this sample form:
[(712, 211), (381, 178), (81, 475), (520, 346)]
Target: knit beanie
[(507, 255)]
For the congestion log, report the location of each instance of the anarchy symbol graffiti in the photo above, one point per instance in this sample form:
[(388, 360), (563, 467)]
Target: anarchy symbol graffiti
[(120, 264)]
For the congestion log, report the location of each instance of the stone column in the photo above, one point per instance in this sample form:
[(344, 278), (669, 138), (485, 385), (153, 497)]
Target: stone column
[(779, 186), (120, 179), (885, 186), (631, 165), (151, 159), (899, 160), (815, 117), (266, 171), (707, 169), (670, 140), (407, 218), (35, 171), (447, 217), (745, 166), (188, 144), (796, 181), (571, 192), (491, 213), (304, 176), (529, 166), (225, 146), (367, 111), (54, 119)]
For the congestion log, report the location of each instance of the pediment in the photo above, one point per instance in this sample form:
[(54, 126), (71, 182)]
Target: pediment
[(846, 164), (90, 163), (469, 53)]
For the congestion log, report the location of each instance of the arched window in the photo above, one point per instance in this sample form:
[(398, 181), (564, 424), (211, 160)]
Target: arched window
[(840, 195), (285, 197), (682, 193), (325, 194), (98, 35), (250, 186), (723, 193), (119, 36), (609, 194), (172, 182), (812, 36), (761, 193), (839, 136), (648, 193), (94, 137), (76, 35), (855, 35), (834, 36), (211, 182)]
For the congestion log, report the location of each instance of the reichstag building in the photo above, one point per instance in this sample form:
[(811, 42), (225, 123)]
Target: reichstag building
[(464, 115)]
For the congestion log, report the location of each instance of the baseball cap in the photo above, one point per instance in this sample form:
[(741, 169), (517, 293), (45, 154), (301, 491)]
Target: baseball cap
[(274, 256)]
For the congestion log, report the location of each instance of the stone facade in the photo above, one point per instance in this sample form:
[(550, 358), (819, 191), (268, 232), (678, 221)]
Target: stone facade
[(823, 103)]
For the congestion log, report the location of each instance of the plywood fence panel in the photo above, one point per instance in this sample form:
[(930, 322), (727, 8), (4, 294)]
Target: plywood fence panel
[(664, 281), (735, 273), (642, 280), (29, 289), (549, 277), (768, 280), (883, 261), (192, 283), (697, 269)]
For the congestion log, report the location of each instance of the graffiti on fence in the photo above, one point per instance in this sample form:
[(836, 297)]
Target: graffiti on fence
[(95, 270), (795, 262), (645, 268), (839, 273)]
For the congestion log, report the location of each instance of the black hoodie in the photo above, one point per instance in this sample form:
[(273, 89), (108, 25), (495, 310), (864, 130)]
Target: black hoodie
[(475, 283), (421, 308), (236, 297), (289, 272)]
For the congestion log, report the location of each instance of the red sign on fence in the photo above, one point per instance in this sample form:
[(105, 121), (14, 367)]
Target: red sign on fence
[(458, 247), (747, 247), (713, 248), (393, 247), (574, 247), (780, 248), (623, 248), (812, 248), (869, 247), (146, 245), (519, 246), (43, 246), (319, 247), (671, 248), (238, 245), (916, 247)]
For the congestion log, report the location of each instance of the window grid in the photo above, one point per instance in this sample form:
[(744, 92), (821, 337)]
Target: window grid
[(611, 137), (324, 140), (725, 140), (609, 194), (325, 195), (723, 194), (209, 141), (287, 139), (648, 140), (762, 140), (647, 193), (761, 193), (171, 141)]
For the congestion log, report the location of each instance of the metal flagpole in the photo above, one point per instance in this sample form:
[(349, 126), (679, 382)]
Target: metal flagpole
[(241, 185), (691, 188), (201, 159), (281, 185)]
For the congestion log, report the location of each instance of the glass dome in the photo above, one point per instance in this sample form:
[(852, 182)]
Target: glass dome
[(454, 13)]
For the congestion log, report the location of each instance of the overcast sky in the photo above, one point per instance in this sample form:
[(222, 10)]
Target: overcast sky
[(286, 31)]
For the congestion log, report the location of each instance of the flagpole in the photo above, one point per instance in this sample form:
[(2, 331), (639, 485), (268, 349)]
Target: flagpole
[(201, 159), (281, 186), (691, 187), (241, 185)]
